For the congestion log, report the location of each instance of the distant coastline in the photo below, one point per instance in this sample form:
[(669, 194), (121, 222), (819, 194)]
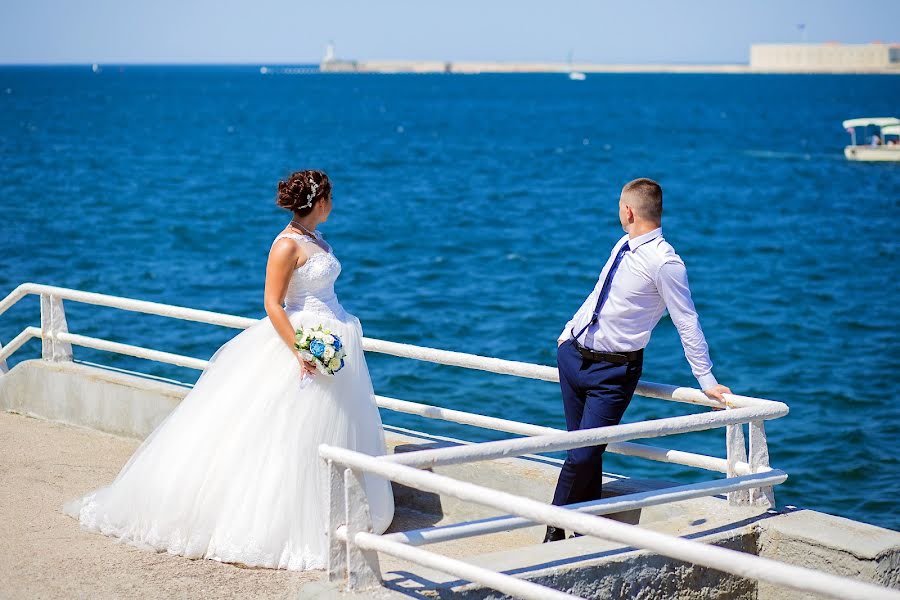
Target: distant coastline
[(458, 68), (829, 58), (473, 68)]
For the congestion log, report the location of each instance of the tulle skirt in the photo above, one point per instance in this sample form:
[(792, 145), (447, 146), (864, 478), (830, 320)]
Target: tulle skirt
[(233, 473)]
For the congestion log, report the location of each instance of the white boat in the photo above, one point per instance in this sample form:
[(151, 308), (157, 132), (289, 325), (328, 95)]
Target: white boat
[(884, 148), (573, 74)]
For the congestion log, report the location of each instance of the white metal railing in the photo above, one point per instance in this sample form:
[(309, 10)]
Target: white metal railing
[(749, 479), (615, 504), (353, 548), (57, 345)]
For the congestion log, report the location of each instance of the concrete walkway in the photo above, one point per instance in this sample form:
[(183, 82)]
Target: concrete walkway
[(45, 554)]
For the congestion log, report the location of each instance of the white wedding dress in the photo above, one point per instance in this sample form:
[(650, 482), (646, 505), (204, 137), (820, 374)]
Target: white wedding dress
[(233, 473)]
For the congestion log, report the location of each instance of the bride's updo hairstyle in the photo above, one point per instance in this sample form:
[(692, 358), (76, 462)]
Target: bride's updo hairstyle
[(300, 192)]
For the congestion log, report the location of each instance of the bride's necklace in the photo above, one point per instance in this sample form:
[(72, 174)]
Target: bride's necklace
[(316, 238), (304, 230)]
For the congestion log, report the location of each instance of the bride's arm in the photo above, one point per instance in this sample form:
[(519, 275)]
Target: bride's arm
[(284, 257)]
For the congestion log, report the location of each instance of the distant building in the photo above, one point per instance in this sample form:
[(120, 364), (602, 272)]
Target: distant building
[(828, 57)]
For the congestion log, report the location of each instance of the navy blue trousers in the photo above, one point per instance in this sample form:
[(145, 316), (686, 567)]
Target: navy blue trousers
[(595, 394)]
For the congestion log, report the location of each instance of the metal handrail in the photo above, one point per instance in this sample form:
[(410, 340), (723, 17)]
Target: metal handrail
[(722, 559), (655, 453), (585, 437), (444, 357), (661, 391), (606, 506)]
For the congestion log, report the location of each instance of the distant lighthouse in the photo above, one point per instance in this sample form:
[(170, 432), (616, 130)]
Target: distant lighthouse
[(330, 64)]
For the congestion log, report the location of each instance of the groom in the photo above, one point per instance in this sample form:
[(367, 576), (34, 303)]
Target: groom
[(601, 349)]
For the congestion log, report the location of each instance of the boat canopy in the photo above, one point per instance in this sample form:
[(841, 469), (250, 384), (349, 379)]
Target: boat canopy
[(891, 130), (877, 121)]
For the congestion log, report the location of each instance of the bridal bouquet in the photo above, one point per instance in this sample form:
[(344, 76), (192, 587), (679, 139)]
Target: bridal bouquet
[(322, 348)]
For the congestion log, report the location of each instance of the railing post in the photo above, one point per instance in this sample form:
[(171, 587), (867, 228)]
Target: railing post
[(335, 515), (53, 321), (363, 570), (736, 452), (759, 462)]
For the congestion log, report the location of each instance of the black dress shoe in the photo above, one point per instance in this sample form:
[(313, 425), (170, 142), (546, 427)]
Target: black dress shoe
[(575, 535), (554, 534)]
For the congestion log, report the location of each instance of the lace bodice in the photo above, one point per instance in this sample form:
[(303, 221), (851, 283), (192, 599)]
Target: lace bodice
[(312, 285)]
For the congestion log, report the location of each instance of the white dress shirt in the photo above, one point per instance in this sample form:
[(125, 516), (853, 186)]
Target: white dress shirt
[(650, 279)]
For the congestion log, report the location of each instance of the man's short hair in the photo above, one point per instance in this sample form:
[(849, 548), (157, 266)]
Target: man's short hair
[(645, 197)]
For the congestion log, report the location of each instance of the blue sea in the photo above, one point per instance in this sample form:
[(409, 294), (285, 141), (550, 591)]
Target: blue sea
[(474, 213)]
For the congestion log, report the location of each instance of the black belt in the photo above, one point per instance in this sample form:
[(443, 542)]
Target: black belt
[(619, 358)]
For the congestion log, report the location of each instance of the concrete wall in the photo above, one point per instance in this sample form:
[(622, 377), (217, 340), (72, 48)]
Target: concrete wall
[(832, 544), (638, 576), (104, 400)]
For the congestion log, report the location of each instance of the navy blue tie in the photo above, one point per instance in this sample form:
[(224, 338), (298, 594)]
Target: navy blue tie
[(604, 291)]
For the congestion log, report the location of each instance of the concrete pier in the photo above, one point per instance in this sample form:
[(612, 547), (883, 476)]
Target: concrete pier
[(478, 67)]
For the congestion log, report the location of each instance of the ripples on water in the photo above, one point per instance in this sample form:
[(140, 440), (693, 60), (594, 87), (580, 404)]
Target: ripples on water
[(474, 213)]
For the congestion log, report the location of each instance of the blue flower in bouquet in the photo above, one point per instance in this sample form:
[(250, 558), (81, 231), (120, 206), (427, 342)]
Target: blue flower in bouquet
[(337, 343), (317, 347)]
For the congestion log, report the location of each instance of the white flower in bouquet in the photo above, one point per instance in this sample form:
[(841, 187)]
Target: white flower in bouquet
[(334, 364), (329, 352), (328, 339)]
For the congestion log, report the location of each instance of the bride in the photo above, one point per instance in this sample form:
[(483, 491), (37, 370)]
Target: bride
[(232, 474)]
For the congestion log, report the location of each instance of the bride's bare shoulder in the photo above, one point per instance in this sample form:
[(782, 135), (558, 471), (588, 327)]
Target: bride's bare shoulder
[(287, 250)]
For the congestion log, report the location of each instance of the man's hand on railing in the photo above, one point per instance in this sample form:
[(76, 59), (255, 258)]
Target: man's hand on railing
[(717, 392)]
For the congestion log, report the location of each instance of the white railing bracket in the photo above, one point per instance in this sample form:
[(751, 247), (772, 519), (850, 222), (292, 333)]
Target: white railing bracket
[(735, 452), (759, 462), (335, 519), (363, 569), (53, 322)]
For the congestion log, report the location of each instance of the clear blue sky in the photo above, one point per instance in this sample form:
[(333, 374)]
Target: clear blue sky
[(284, 31)]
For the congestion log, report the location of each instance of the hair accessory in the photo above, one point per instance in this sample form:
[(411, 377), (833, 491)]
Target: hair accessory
[(315, 189), (310, 196)]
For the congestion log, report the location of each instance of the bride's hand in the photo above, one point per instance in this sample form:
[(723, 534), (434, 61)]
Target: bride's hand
[(305, 367)]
